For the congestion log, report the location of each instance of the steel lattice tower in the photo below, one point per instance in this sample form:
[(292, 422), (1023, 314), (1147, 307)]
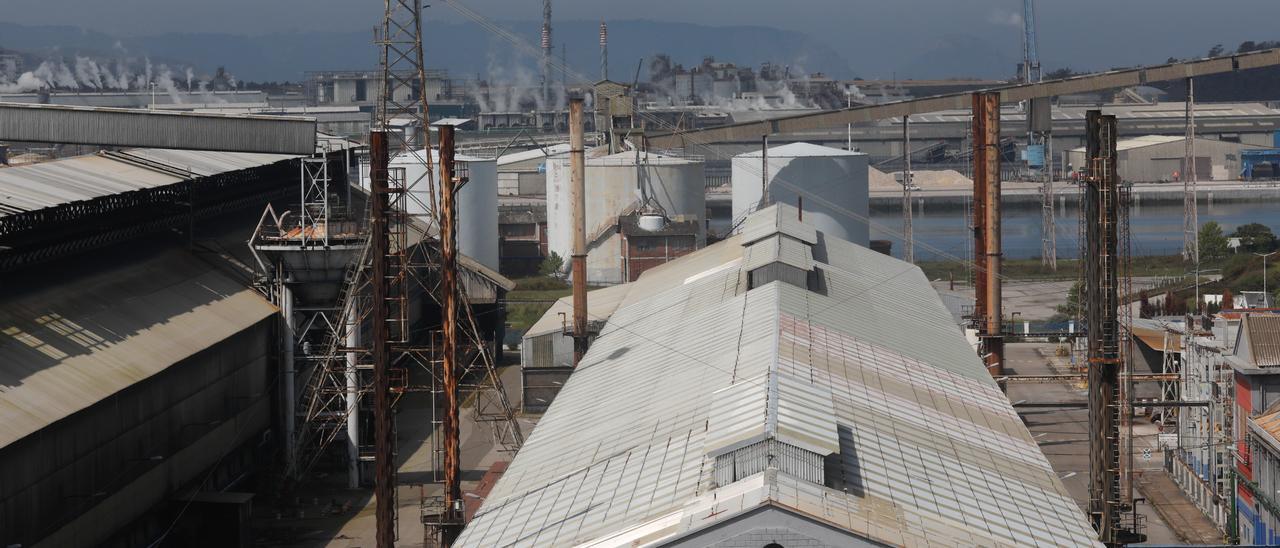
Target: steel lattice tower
[(1190, 209)]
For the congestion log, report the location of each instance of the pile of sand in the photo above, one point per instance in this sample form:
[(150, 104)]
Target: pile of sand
[(879, 180), (927, 180), (945, 179)]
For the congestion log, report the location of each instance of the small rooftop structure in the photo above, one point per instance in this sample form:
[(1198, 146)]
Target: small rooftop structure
[(780, 379)]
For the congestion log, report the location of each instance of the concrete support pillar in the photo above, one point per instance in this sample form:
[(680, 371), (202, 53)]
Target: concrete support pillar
[(353, 401), (289, 398)]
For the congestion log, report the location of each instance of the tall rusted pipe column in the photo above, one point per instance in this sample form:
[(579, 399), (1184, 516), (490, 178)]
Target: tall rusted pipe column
[(578, 193), (380, 341), (986, 182), (1102, 298), (453, 514)]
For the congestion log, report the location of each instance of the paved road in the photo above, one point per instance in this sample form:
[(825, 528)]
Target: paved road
[(327, 514), (1063, 433), (1033, 300)]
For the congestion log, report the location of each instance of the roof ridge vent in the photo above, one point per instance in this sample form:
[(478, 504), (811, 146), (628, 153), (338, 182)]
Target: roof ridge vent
[(778, 258), (772, 421)]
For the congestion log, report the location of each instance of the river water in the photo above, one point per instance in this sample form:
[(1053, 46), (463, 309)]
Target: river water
[(1155, 229)]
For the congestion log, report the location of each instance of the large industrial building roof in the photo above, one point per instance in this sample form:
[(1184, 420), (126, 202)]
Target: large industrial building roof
[(49, 184), (71, 339), (1150, 141), (855, 363)]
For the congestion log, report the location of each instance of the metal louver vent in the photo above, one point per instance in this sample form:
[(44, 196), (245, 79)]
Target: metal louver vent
[(755, 458)]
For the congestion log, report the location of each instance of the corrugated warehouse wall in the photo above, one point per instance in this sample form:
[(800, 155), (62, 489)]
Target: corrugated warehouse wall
[(1159, 161), (148, 368)]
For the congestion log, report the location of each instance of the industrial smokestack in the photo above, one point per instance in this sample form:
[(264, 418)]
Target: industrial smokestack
[(986, 182), (546, 51), (577, 193), (604, 51)]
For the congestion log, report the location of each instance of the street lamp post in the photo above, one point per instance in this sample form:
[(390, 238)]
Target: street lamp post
[(1265, 295)]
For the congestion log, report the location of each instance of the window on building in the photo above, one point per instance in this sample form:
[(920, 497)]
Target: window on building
[(362, 90)]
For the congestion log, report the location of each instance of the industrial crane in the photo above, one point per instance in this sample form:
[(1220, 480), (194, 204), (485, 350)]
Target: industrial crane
[(1030, 57)]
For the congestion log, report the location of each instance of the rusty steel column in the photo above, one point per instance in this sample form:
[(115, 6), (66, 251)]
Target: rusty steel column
[(453, 515), (578, 193), (979, 219), (380, 340), (1102, 300), (987, 253)]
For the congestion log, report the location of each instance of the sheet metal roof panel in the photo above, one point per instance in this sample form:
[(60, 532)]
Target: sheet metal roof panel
[(801, 150), (1264, 339), (49, 184), (65, 347), (205, 163), (777, 219), (738, 415), (779, 249), (533, 154)]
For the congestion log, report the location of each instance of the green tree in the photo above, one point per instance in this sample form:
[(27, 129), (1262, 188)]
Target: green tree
[(1216, 51), (1255, 237), (1213, 244), (1071, 308), (551, 265)]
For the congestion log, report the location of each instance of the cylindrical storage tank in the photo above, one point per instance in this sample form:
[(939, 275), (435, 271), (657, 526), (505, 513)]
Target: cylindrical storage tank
[(613, 184), (832, 181), (652, 222), (477, 200)]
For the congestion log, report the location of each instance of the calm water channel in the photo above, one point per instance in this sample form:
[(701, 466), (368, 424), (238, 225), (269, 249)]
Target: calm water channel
[(1156, 229)]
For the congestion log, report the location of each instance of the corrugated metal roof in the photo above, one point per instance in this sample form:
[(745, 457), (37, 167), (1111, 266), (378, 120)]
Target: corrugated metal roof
[(65, 346), (772, 221), (1145, 141), (49, 184), (204, 163), (872, 369), (779, 249), (802, 150), (1263, 332), (1267, 426), (532, 154)]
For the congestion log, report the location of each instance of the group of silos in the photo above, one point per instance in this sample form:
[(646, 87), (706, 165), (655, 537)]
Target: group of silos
[(828, 184), (477, 200)]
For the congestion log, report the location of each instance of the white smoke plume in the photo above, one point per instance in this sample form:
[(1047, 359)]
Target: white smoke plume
[(514, 87), (88, 74)]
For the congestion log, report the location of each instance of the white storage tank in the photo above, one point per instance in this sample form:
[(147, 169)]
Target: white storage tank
[(836, 176), (477, 201), (677, 185)]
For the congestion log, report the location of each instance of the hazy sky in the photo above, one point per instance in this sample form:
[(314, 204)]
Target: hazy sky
[(870, 33)]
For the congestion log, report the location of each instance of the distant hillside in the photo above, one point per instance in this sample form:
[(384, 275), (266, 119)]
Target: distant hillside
[(464, 49)]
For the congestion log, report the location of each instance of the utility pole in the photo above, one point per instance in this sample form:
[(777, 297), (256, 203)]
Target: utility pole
[(1102, 300), (908, 180), (986, 183), (1265, 296), (848, 130), (453, 515), (578, 193)]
